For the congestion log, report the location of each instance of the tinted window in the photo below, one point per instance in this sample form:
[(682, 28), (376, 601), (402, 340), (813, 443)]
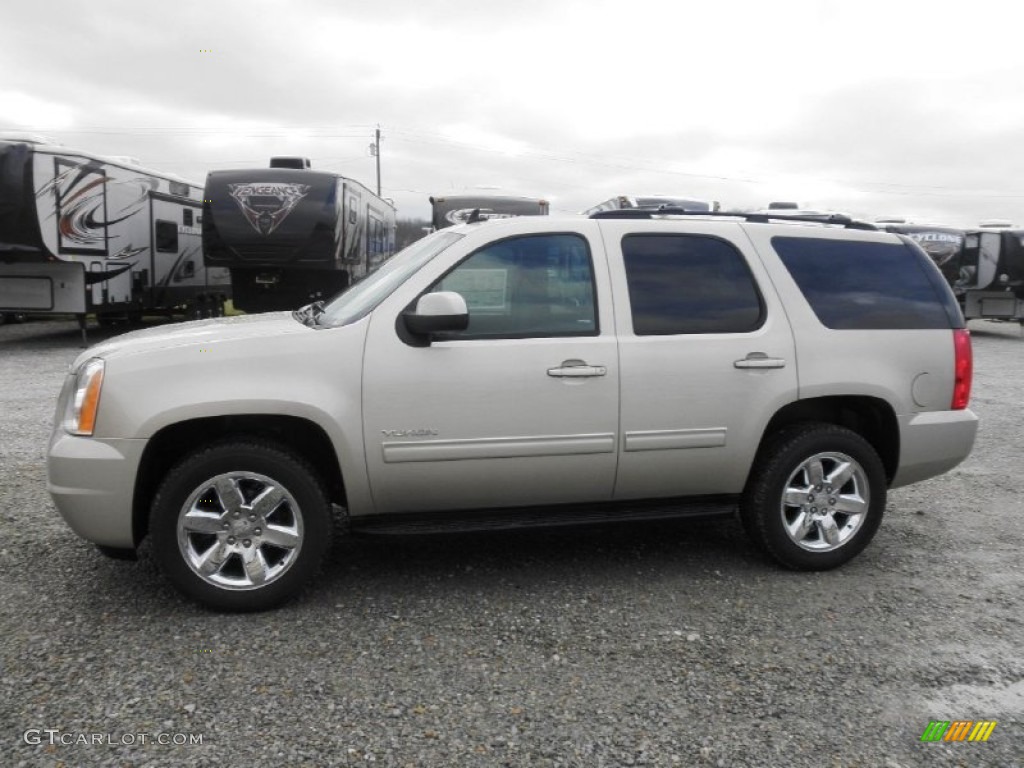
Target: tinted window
[(541, 285), (689, 284), (166, 236), (862, 285)]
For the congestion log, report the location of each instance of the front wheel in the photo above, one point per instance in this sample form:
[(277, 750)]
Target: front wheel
[(240, 525), (815, 497)]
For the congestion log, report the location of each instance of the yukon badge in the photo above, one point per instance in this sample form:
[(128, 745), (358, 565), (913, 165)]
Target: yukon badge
[(409, 432), (266, 205)]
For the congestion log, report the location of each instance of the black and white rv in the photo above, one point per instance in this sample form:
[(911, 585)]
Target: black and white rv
[(984, 266), (991, 275), (449, 210), (290, 235), (82, 233)]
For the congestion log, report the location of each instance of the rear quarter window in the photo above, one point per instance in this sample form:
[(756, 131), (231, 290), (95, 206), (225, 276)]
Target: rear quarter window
[(859, 285)]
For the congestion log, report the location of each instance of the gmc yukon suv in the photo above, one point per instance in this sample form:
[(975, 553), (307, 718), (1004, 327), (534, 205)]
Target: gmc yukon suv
[(529, 371)]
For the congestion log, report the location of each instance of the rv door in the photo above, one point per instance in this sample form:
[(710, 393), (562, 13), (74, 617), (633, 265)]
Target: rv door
[(177, 273)]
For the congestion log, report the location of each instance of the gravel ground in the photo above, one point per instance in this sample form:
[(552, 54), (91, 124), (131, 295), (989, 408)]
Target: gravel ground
[(662, 645)]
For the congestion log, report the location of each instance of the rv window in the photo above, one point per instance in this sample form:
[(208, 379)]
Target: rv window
[(166, 236)]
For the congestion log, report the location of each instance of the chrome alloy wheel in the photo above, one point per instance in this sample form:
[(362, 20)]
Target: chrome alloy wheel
[(825, 501), (240, 531)]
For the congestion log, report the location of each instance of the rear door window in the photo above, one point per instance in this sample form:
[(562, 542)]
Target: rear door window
[(682, 284)]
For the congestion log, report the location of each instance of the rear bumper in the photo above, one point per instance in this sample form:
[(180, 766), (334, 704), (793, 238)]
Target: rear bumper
[(92, 482), (934, 442)]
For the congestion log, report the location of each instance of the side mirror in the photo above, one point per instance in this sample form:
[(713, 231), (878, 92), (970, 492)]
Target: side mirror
[(437, 313)]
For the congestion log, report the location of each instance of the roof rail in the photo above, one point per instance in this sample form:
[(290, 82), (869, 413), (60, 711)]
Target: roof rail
[(760, 217)]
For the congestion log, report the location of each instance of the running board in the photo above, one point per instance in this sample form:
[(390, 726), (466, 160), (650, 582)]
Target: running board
[(542, 517)]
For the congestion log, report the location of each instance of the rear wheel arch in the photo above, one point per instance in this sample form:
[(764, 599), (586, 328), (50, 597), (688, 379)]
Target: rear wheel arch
[(870, 417), (167, 447)]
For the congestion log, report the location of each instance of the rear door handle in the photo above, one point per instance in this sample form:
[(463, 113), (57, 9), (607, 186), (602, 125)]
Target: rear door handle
[(577, 369), (760, 360)]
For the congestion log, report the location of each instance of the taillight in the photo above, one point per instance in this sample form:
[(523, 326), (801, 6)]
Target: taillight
[(963, 369)]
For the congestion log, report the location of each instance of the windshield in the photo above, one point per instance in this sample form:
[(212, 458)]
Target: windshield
[(362, 297)]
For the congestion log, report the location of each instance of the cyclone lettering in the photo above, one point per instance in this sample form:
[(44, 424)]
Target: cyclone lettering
[(941, 246)]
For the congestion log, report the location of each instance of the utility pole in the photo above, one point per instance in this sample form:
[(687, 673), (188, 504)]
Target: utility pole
[(375, 151)]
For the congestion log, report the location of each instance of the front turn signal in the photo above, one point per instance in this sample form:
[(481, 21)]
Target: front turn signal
[(84, 403)]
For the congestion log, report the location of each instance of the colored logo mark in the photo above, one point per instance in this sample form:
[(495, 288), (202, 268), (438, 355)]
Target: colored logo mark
[(958, 730)]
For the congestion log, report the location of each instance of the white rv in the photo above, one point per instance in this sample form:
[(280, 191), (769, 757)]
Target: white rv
[(450, 210), (621, 202), (82, 233)]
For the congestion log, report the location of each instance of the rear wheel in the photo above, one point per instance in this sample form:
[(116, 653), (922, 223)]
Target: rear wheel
[(241, 525), (816, 496)]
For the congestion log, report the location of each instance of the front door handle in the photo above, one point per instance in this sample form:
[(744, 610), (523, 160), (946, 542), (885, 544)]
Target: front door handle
[(760, 360), (577, 369)]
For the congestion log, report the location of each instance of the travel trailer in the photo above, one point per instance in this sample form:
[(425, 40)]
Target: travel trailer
[(290, 235), (620, 202), (984, 266), (449, 210), (991, 278), (82, 233)]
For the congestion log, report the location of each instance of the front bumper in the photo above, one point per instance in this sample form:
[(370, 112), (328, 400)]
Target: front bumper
[(934, 442), (92, 482)]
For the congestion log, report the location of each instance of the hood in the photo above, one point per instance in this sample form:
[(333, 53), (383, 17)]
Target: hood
[(196, 332)]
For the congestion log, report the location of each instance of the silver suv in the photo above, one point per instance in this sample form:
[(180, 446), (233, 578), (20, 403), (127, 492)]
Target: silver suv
[(529, 371)]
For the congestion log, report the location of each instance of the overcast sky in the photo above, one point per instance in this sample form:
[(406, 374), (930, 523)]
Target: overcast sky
[(875, 108)]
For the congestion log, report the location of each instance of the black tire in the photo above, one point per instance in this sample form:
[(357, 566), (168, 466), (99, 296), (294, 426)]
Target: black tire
[(817, 529), (267, 492), (117, 553), (195, 310)]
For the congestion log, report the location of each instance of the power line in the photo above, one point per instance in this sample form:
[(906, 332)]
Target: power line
[(630, 164), (621, 163)]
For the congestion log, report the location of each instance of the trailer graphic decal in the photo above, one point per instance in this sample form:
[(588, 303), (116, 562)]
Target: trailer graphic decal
[(266, 205), (81, 195), (461, 215), (941, 246)]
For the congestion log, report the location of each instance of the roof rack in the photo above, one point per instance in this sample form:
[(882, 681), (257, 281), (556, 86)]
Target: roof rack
[(760, 217)]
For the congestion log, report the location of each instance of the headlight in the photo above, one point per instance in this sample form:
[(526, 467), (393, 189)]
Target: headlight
[(80, 417)]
